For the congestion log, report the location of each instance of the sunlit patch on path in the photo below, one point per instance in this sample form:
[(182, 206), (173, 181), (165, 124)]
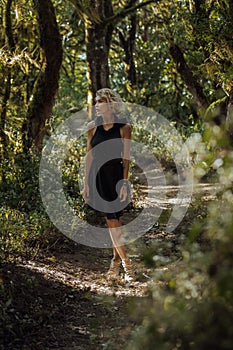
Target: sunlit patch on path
[(83, 279)]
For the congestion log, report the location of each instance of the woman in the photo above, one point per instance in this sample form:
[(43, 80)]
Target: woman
[(107, 166)]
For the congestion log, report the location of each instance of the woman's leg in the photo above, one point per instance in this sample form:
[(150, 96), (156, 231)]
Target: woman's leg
[(116, 236), (116, 256), (119, 251), (115, 252)]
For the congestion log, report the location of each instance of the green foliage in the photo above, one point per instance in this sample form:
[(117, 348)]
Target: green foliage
[(22, 216), (158, 85), (191, 307), (20, 182), (73, 175), (21, 232)]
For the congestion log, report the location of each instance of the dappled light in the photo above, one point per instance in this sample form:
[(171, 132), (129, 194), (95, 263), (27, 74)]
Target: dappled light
[(165, 71)]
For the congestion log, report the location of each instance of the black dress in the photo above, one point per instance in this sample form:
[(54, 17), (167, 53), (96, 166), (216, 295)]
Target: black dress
[(106, 170)]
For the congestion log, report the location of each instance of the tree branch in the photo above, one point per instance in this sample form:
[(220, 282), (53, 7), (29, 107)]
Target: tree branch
[(128, 10), (188, 77)]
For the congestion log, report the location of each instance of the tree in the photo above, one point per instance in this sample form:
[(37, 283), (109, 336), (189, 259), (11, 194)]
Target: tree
[(187, 75), (100, 20), (208, 28), (7, 78), (128, 44), (46, 86)]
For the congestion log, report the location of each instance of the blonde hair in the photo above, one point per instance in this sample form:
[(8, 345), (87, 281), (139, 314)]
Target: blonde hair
[(112, 98)]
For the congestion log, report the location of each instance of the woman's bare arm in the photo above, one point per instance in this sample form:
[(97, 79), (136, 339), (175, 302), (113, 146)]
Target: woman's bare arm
[(126, 137)]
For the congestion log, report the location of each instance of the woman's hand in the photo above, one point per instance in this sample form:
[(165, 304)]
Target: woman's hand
[(123, 193), (86, 193)]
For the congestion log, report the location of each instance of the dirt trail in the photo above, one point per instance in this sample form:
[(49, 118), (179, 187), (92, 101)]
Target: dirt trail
[(62, 300)]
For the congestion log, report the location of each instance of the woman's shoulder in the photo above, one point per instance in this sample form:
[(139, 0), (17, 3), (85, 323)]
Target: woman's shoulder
[(94, 123), (91, 125), (126, 126), (125, 131), (91, 128)]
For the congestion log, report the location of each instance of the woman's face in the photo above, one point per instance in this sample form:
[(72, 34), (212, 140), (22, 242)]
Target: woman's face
[(101, 105)]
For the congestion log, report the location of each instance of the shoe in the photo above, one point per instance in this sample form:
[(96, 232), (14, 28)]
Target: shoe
[(114, 269), (129, 271)]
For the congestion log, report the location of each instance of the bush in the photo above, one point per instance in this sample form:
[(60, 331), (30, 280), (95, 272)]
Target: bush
[(21, 232), (192, 305)]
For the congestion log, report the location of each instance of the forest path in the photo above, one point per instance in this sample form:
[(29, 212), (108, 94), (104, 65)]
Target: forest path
[(61, 299)]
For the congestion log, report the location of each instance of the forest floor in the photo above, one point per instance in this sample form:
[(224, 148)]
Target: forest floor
[(61, 298)]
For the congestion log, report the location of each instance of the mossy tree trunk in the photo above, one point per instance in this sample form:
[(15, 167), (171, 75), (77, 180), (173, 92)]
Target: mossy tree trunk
[(7, 81), (46, 86), (99, 26), (98, 35), (188, 77)]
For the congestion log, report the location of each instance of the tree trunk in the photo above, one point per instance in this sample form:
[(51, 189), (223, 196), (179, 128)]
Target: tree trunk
[(6, 96), (97, 50), (7, 80), (100, 20), (98, 35), (186, 74), (46, 86), (98, 39), (8, 24), (128, 45)]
